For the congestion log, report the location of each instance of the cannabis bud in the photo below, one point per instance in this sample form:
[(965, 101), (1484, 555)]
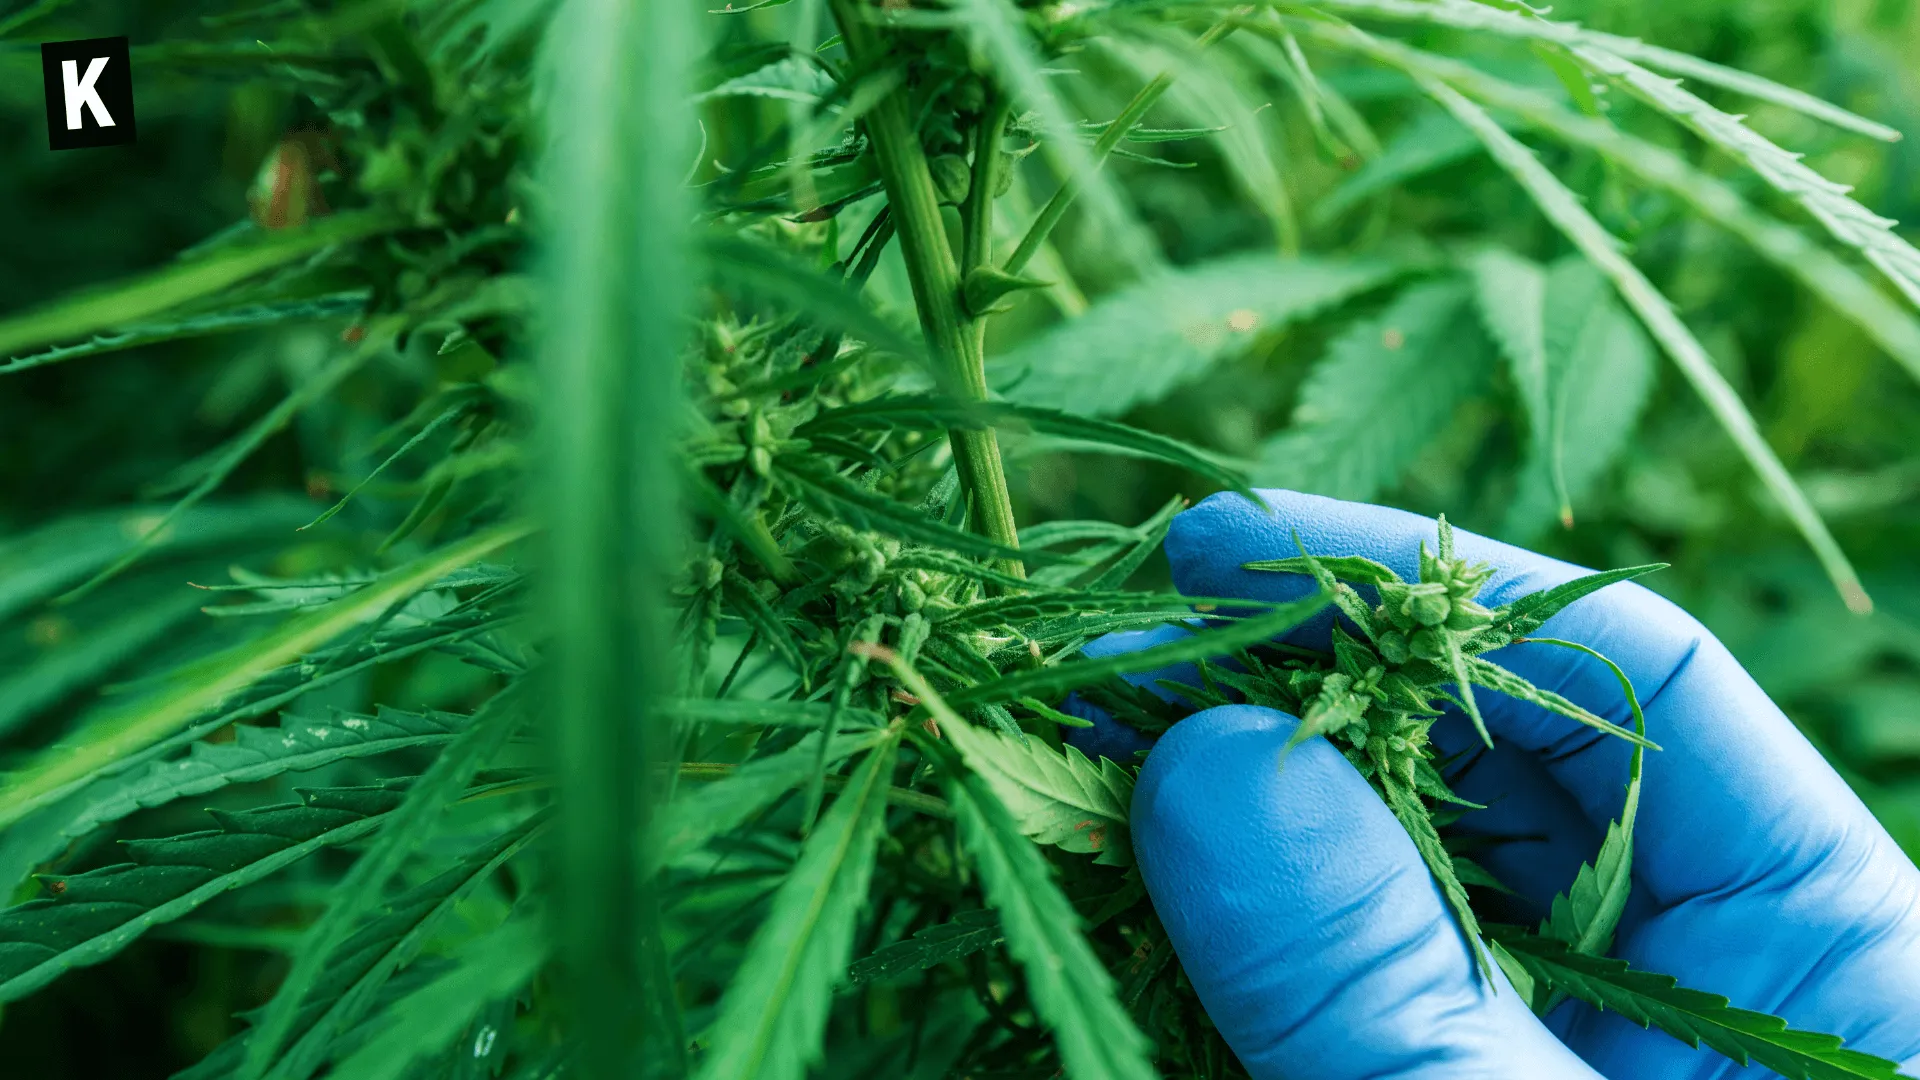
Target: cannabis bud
[(951, 178), (1418, 612)]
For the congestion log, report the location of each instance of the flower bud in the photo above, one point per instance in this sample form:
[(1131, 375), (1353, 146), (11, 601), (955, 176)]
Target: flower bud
[(912, 596), (951, 178), (1392, 646), (1468, 615), (1427, 603), (1427, 644)]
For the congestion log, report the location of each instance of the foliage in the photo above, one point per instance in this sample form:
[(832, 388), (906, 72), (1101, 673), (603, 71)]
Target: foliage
[(616, 647)]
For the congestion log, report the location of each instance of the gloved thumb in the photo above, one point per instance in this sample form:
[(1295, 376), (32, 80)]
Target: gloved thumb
[(1306, 920)]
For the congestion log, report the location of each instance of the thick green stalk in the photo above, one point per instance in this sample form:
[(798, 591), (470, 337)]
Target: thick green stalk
[(616, 268), (935, 278), (1056, 207)]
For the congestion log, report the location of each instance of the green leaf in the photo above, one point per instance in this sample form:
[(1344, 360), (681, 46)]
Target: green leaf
[(967, 933), (1432, 140), (1345, 567), (1511, 294), (131, 301), (774, 1012), (620, 274), (403, 831), (1084, 627), (1413, 817), (94, 915), (485, 969), (1584, 369), (38, 564), (769, 272), (1071, 990), (205, 685), (737, 712), (244, 317), (1018, 610), (697, 815), (254, 753), (1458, 665), (1134, 440), (364, 963), (790, 78), (1489, 20), (1385, 389), (987, 286), (1138, 344), (931, 559), (747, 602), (1885, 320), (1058, 679), (1564, 209), (423, 435), (863, 508), (915, 412), (1204, 91), (1152, 532), (119, 630), (1107, 564), (1059, 797), (222, 464), (1525, 615), (1693, 1017), (1052, 533), (464, 633), (1497, 678), (1586, 915)]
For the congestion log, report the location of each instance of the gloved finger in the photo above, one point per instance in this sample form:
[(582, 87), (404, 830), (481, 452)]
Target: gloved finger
[(1769, 880), (1308, 924), (1717, 729), (1542, 836)]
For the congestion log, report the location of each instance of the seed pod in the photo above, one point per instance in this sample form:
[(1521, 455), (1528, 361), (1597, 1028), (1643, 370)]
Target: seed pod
[(1427, 644), (1427, 603), (951, 178), (1393, 604), (1468, 615), (912, 596)]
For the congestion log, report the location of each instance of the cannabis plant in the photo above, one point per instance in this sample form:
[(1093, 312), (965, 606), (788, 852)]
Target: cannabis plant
[(650, 673)]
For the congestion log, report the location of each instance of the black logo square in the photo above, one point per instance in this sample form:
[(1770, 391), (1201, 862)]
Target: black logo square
[(89, 92)]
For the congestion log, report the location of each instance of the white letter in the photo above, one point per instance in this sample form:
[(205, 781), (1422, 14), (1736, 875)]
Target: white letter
[(80, 92)]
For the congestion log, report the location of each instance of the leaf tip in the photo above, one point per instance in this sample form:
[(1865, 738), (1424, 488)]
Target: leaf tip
[(1855, 597)]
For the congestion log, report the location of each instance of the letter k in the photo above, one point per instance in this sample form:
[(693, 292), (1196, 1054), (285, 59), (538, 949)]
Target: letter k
[(78, 92)]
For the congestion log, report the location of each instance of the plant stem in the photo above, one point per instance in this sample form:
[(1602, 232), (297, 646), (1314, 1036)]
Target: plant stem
[(935, 278), (988, 164), (1056, 207)]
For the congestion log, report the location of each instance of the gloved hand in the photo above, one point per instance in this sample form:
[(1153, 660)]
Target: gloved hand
[(1316, 938)]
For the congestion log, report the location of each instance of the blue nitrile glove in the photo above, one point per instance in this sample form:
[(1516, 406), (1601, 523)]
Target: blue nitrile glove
[(1318, 942)]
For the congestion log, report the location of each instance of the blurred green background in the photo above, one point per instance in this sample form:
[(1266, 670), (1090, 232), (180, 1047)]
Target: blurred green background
[(87, 448)]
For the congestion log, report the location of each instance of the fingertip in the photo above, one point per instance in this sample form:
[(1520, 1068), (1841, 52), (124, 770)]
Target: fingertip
[(1305, 918)]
